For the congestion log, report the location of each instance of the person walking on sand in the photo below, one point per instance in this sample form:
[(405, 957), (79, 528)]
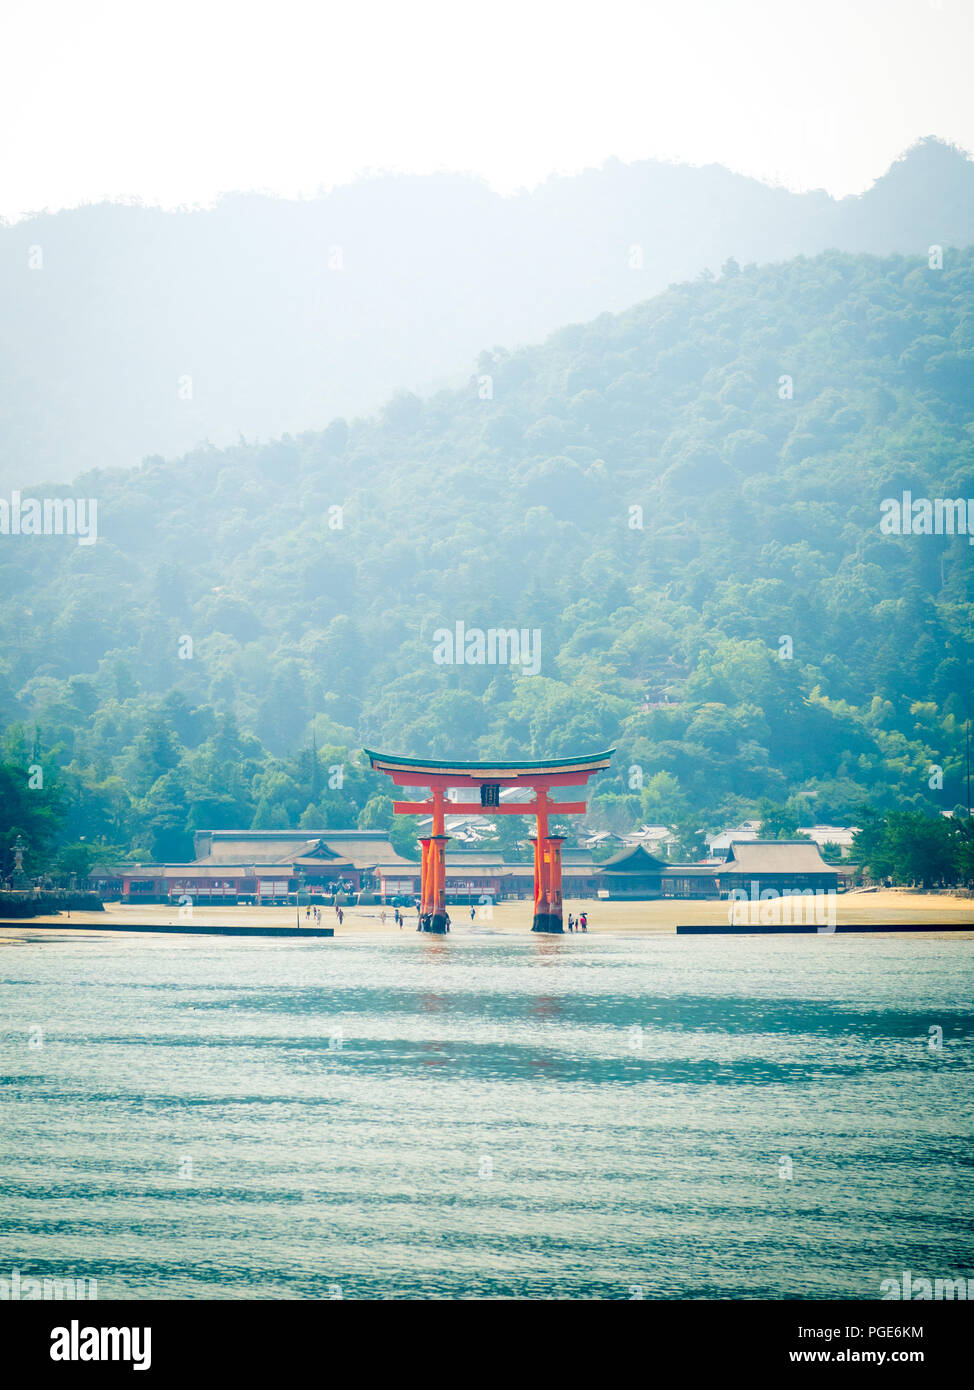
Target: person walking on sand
[(583, 921), (473, 912), (571, 922)]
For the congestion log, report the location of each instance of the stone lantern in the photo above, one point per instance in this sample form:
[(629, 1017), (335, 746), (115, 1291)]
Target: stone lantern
[(18, 878)]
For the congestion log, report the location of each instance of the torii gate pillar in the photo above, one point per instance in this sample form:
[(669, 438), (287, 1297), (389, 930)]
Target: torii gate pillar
[(437, 900), (432, 896), (547, 883)]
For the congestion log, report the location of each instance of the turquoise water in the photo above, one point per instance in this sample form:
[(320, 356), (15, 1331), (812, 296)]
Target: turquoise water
[(487, 1115)]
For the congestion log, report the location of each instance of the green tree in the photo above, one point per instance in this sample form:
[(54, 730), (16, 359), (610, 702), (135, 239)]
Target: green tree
[(376, 814), (403, 837)]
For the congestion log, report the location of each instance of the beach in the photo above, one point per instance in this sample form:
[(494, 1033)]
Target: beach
[(895, 906)]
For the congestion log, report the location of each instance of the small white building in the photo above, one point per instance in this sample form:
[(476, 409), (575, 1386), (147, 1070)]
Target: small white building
[(834, 834), (747, 830), (658, 839)]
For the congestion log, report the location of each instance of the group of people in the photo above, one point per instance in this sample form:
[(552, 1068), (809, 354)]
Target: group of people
[(579, 923), (315, 914), (424, 920), (421, 921)]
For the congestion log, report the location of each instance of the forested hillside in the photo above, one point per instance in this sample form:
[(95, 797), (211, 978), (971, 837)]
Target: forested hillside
[(129, 330), (749, 634)]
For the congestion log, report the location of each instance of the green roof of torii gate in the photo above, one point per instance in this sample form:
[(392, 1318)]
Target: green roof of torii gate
[(593, 760)]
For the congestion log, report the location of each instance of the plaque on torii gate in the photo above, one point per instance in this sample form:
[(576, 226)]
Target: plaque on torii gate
[(490, 779)]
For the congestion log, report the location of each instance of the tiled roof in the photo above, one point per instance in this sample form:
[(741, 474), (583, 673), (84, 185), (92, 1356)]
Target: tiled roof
[(360, 849), (775, 856), (246, 848), (633, 860)]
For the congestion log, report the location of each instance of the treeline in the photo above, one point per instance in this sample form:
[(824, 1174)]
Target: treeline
[(184, 771), (682, 500), (907, 847)]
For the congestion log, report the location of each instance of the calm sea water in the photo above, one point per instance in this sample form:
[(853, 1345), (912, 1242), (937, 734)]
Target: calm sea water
[(487, 1116)]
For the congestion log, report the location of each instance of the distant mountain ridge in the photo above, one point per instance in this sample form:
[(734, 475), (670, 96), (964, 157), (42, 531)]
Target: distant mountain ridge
[(130, 331)]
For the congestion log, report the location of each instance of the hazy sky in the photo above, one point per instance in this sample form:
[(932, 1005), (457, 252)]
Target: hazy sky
[(177, 102)]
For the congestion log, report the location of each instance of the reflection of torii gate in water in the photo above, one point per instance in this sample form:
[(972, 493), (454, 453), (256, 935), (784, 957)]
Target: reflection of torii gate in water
[(490, 778)]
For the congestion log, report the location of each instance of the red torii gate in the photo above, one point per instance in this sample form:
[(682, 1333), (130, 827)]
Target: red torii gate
[(490, 778)]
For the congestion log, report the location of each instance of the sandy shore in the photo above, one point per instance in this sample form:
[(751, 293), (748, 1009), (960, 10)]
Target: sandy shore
[(894, 906)]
